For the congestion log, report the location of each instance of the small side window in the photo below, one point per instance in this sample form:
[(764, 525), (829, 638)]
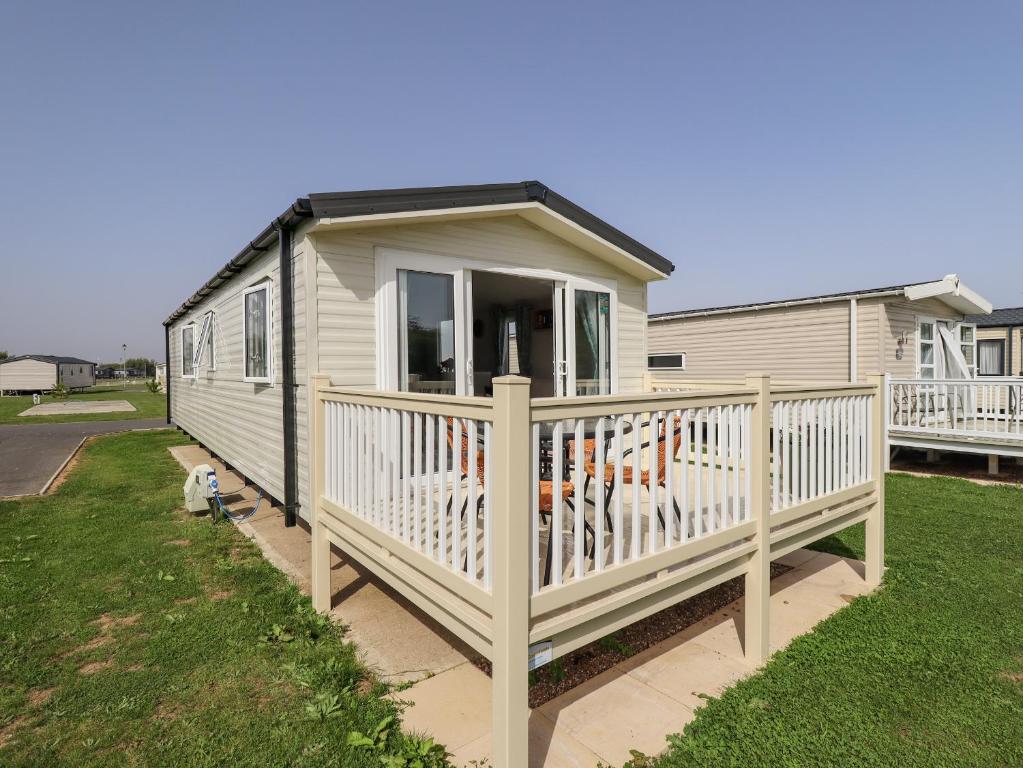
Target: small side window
[(257, 334), (187, 345), (204, 343), (667, 362)]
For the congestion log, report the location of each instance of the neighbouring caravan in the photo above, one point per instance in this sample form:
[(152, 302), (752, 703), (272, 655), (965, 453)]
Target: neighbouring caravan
[(429, 290), (41, 373), (999, 342), (918, 330)]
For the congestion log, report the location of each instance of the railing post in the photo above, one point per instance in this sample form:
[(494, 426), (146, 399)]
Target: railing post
[(320, 555), (875, 515), (758, 577), (886, 392), (510, 508)]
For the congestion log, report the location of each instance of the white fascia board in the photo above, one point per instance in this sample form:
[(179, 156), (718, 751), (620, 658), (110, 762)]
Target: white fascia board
[(535, 213), (952, 291)]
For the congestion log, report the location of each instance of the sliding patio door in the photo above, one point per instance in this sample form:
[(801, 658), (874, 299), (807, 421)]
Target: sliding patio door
[(583, 337)]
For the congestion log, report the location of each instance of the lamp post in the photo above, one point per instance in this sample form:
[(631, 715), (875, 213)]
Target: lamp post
[(124, 362)]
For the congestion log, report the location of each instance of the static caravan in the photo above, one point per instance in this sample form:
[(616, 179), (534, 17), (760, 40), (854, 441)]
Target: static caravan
[(41, 373), (999, 342), (450, 385), (918, 330), (429, 290)]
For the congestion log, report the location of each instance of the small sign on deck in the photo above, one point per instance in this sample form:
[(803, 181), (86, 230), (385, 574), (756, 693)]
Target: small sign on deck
[(540, 654)]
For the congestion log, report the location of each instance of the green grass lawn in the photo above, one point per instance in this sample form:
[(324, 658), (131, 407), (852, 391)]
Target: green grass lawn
[(134, 635), (147, 406), (926, 672)]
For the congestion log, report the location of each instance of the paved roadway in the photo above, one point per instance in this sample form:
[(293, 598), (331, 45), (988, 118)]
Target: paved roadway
[(31, 453)]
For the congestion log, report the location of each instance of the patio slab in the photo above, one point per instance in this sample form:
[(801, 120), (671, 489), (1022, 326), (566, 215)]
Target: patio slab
[(637, 703), (79, 406), (397, 640)]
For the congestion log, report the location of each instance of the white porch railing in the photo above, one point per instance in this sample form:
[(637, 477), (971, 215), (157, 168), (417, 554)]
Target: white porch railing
[(555, 521), (974, 408)]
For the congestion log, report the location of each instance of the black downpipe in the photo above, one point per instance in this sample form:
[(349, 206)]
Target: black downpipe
[(290, 415), (167, 369)]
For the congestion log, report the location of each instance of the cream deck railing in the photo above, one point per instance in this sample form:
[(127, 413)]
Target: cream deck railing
[(530, 528), (973, 408)]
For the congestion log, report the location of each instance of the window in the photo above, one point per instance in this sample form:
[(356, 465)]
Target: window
[(187, 343), (669, 362), (592, 342), (205, 340), (967, 335), (926, 333), (991, 356), (427, 355), (211, 350), (257, 335)]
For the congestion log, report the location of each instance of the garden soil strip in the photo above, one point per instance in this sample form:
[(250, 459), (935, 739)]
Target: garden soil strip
[(587, 662)]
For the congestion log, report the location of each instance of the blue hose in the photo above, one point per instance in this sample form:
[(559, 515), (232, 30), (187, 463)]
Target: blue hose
[(241, 516)]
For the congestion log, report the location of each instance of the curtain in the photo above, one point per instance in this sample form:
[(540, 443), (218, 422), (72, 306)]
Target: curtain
[(523, 335), (990, 361), (954, 363), (500, 339)]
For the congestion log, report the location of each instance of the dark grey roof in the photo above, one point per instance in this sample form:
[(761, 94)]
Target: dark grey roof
[(822, 297), (366, 202), (1009, 316), (50, 359)]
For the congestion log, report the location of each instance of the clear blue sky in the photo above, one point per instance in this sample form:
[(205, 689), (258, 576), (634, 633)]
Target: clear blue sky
[(769, 149)]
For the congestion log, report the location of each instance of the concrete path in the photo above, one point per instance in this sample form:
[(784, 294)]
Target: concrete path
[(637, 703), (79, 406), (30, 454), (395, 639)]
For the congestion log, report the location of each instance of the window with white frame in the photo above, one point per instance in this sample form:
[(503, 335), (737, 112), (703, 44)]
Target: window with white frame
[(967, 336), (257, 337), (187, 348), (929, 356), (926, 334), (204, 343)]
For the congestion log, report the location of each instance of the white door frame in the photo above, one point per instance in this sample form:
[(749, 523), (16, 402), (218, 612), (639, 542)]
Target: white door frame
[(390, 260)]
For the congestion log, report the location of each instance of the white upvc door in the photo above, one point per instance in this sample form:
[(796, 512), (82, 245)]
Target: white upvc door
[(420, 296), (424, 312), (564, 377), (585, 330)]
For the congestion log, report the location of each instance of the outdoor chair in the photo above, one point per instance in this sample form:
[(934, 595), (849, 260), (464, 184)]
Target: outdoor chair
[(628, 476), (545, 495)]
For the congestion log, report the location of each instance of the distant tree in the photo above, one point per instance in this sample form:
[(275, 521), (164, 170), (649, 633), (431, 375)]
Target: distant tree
[(3, 354), (142, 364)]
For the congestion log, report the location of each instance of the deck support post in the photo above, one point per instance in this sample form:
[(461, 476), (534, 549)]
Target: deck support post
[(510, 510), (992, 463), (320, 556), (757, 645), (874, 554)]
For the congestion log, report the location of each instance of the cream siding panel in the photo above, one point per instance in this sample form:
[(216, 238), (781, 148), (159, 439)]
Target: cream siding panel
[(869, 342), (346, 287), (804, 343), (28, 374), (1017, 352), (242, 421)]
